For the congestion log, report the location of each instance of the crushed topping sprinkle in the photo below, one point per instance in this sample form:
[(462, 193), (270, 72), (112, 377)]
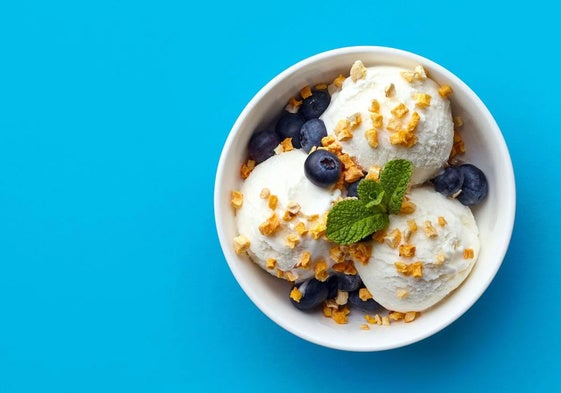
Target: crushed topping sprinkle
[(403, 138), (351, 170), (420, 72), (306, 92), (265, 193), (338, 253), (407, 207), (346, 267), (393, 238), (270, 226), (372, 137), (374, 173), (407, 250), (413, 122), (343, 130), (340, 315), (318, 230), (331, 144), (400, 110), (364, 326), (292, 240), (440, 259), (360, 252), (272, 202), (394, 125), (320, 86), (339, 80), (293, 207), (296, 295), (469, 253), (236, 199), (379, 236), (246, 168), (286, 145), (342, 297), (377, 120), (409, 76), (458, 121), (429, 229), (389, 90), (293, 104), (374, 106), (458, 146), (241, 244), (364, 294), (304, 261), (445, 91), (271, 263), (358, 71), (410, 316), (396, 315), (300, 228), (401, 293), (290, 276), (422, 100), (320, 269), (442, 221), (414, 269)]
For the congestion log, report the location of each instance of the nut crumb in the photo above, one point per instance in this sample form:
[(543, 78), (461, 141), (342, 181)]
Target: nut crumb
[(339, 80), (390, 90), (320, 270), (304, 261), (414, 269), (270, 226), (364, 294), (445, 91), (360, 252), (429, 230), (469, 253), (246, 169), (374, 106), (306, 92), (364, 326), (241, 244), (422, 100), (358, 71), (393, 238), (399, 110), (442, 221), (401, 293), (296, 295), (272, 202), (271, 263), (410, 316), (292, 240), (236, 199), (265, 193), (407, 250)]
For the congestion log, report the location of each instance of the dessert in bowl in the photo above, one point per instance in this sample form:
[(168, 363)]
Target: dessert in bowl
[(398, 139)]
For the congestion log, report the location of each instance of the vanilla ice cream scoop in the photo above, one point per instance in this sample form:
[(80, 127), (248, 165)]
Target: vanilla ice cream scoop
[(425, 255), (402, 115), (282, 216)]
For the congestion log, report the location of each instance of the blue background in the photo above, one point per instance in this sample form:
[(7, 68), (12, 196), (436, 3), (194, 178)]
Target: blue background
[(112, 119)]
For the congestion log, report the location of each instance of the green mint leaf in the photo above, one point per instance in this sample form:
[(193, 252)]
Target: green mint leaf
[(350, 221), (370, 192), (394, 179)]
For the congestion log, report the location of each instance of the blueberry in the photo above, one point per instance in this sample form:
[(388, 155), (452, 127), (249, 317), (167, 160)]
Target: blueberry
[(311, 133), (369, 305), (475, 186), (313, 106), (449, 181), (333, 286), (322, 168), (288, 126), (314, 293), (262, 145), (348, 282), (352, 189)]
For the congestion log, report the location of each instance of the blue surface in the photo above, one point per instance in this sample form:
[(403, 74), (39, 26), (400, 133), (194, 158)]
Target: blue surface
[(112, 118)]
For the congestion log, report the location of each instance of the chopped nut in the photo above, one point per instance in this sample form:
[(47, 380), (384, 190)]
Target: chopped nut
[(304, 261), (458, 146), (407, 250), (346, 267), (373, 173), (338, 254), (422, 100), (420, 73), (280, 273), (412, 225), (271, 263), (300, 228), (394, 125), (403, 138), (236, 199), (364, 294), (342, 297), (351, 171), (372, 137), (331, 144), (402, 293), (360, 252), (320, 270), (306, 92), (396, 315), (410, 316), (340, 316), (312, 218), (385, 320), (290, 276), (389, 90), (442, 221), (408, 76), (296, 295), (286, 145), (273, 201), (414, 269), (265, 193), (318, 230), (393, 238), (445, 91), (246, 168), (469, 253), (293, 207), (377, 120), (339, 81), (327, 311), (374, 106), (293, 104), (241, 244), (358, 71), (292, 240), (354, 120), (429, 229), (270, 226), (320, 86), (370, 319), (378, 319), (343, 130), (407, 207), (413, 122), (400, 110)]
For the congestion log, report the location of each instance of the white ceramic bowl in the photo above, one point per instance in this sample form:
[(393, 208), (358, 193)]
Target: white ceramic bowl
[(486, 148)]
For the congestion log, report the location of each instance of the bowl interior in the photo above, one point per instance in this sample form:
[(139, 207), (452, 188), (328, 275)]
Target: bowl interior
[(485, 147)]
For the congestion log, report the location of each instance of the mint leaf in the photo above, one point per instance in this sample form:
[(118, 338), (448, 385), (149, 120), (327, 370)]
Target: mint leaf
[(370, 192), (395, 178), (350, 221)]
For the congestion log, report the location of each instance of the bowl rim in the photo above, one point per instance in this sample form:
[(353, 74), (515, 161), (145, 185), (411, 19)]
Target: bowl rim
[(508, 207)]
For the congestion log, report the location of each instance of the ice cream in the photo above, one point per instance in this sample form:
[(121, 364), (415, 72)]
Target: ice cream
[(424, 255), (282, 218), (387, 112)]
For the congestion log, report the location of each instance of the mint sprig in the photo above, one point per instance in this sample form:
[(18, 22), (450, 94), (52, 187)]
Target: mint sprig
[(351, 220)]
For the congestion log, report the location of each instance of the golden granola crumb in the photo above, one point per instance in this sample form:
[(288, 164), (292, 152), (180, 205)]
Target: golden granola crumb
[(306, 92), (236, 199), (377, 120), (407, 207), (408, 76), (374, 106), (370, 319), (312, 218), (386, 320), (296, 295), (458, 146), (469, 253), (414, 269), (400, 110), (342, 297), (246, 168), (286, 145), (358, 71), (293, 207), (412, 224), (420, 73), (364, 294), (445, 91), (364, 326), (320, 270), (429, 230), (340, 315), (393, 238), (413, 122), (339, 80), (300, 228), (394, 125), (280, 273), (373, 173), (360, 252), (270, 226), (346, 267), (389, 90), (407, 250), (337, 253), (396, 315), (290, 276), (293, 104), (331, 144), (320, 86), (379, 236), (272, 202), (271, 263), (442, 221), (292, 240), (351, 171), (343, 130), (378, 319), (288, 216), (265, 193), (401, 293), (304, 261), (354, 120), (327, 311), (241, 244), (440, 259), (422, 100), (410, 316), (403, 138), (458, 121), (318, 230)]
